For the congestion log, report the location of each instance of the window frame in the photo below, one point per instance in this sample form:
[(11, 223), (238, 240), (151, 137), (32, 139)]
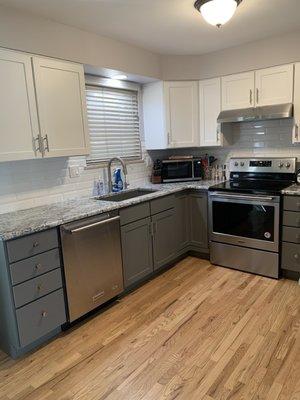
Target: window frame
[(91, 80)]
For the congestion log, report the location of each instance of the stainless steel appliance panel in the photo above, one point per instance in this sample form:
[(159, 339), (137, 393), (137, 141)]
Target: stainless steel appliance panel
[(92, 262), (244, 259), (245, 220)]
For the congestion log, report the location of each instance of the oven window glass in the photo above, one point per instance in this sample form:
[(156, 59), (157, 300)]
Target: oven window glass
[(177, 170), (246, 220)]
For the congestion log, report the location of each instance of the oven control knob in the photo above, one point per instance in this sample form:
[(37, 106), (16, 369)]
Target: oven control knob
[(288, 165), (242, 163), (236, 164), (280, 165)]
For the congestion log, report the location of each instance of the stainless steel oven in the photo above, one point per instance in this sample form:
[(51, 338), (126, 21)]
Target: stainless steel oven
[(245, 220)]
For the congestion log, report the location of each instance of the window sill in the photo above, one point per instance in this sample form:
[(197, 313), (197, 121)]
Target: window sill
[(103, 164)]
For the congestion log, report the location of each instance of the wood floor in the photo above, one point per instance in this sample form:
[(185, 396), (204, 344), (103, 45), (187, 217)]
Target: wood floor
[(195, 332)]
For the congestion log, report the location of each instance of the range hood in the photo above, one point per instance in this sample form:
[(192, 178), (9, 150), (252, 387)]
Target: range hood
[(257, 113)]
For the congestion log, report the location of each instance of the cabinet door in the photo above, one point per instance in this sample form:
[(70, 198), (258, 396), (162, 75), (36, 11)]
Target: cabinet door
[(18, 122), (296, 133), (181, 100), (210, 107), (238, 91), (274, 85), (136, 251), (60, 91), (182, 221), (198, 220), (164, 238)]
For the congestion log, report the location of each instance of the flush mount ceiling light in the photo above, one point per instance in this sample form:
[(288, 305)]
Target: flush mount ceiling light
[(217, 12)]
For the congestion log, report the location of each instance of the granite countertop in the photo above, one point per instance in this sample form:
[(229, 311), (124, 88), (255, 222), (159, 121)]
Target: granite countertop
[(293, 190), (23, 222)]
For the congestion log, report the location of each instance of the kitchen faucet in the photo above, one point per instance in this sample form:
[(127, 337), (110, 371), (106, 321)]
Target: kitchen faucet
[(124, 168)]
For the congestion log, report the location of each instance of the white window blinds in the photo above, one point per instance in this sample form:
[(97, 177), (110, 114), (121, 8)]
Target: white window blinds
[(113, 123)]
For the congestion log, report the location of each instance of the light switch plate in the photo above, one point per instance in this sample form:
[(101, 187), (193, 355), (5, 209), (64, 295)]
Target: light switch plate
[(74, 172)]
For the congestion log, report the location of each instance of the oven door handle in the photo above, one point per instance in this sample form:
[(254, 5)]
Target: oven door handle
[(242, 197)]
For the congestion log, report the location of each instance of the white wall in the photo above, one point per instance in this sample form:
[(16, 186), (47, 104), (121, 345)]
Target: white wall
[(260, 54), (22, 31)]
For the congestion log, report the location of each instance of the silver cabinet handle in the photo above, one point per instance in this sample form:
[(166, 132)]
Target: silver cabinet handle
[(97, 296), (37, 144), (296, 133), (45, 139), (296, 256), (44, 314), (84, 228), (257, 96), (35, 244), (169, 138), (251, 97)]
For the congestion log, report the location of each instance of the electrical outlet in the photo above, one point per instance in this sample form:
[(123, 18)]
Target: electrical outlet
[(74, 172)]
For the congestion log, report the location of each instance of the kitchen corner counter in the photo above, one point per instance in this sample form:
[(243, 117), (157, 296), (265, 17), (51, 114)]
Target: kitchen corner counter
[(293, 190), (24, 222)]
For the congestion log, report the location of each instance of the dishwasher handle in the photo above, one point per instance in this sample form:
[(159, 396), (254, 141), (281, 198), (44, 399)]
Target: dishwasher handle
[(89, 226)]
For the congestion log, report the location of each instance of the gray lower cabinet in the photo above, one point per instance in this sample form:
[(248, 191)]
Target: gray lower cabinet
[(182, 222), (198, 221), (32, 302), (164, 238), (137, 250)]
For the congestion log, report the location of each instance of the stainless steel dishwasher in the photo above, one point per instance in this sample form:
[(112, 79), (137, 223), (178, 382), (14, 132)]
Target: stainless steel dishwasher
[(92, 262)]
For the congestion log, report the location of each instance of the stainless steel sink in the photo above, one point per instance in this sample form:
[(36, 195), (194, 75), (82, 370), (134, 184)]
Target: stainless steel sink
[(129, 194)]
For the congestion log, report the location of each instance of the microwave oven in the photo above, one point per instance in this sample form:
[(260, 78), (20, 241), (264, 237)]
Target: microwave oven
[(181, 170)]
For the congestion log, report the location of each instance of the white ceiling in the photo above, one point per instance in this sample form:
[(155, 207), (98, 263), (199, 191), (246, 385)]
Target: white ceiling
[(169, 26)]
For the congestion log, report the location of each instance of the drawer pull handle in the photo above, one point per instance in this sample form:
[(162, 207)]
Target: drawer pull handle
[(36, 244), (38, 267), (39, 287), (296, 256), (44, 314)]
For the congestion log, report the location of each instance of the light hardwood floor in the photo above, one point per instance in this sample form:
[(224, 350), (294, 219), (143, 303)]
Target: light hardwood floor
[(195, 332)]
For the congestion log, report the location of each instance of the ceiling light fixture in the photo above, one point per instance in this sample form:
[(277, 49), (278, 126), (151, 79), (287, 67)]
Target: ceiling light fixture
[(120, 77), (217, 12)]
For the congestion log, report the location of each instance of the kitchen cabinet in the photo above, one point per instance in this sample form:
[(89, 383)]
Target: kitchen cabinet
[(209, 110), (296, 133), (264, 87), (137, 250), (164, 238), (274, 85), (198, 221), (182, 221), (60, 93), (19, 121), (43, 110), (171, 114), (238, 91)]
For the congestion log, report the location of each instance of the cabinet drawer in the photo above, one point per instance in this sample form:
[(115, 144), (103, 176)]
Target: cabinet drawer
[(41, 317), (162, 204), (291, 203), (36, 288), (31, 245), (32, 267), (291, 234), (290, 257), (134, 213), (291, 218)]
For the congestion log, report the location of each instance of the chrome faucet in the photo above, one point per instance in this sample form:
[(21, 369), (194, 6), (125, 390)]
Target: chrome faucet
[(122, 162)]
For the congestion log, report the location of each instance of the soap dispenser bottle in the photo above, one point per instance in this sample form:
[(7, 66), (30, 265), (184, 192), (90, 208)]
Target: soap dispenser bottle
[(117, 180)]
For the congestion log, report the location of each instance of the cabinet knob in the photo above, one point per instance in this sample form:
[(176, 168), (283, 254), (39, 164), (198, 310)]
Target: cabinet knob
[(39, 287), (38, 267), (35, 244), (296, 256), (44, 314)]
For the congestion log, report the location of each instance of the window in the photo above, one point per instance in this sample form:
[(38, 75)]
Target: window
[(113, 120)]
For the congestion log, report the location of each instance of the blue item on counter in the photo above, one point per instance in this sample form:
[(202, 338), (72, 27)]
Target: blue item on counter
[(117, 181)]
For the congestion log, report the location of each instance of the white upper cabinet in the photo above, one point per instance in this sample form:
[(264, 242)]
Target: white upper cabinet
[(274, 85), (171, 116), (210, 107), (238, 91), (18, 121), (296, 135), (60, 93), (182, 118)]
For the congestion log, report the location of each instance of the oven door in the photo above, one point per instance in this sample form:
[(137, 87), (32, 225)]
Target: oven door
[(245, 220), (176, 171)]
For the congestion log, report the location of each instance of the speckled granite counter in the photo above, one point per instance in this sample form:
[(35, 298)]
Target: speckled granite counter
[(293, 190), (19, 223)]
